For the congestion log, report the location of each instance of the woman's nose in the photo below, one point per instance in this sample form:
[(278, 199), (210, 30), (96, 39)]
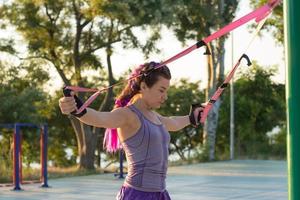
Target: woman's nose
[(165, 97)]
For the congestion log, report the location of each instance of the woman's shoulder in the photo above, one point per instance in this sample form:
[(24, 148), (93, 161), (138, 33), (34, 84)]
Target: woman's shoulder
[(125, 112)]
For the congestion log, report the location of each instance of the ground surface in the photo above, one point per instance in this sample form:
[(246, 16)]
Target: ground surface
[(229, 180)]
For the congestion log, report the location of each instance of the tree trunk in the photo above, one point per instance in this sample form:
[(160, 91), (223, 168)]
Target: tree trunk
[(106, 105), (86, 141), (215, 64), (210, 127)]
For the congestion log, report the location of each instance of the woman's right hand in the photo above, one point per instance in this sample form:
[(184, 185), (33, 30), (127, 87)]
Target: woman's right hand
[(67, 105)]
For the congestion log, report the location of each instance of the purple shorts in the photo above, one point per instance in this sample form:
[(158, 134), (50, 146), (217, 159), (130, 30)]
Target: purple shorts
[(128, 193)]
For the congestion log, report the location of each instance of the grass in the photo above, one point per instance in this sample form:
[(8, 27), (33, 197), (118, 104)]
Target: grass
[(6, 173), (73, 171)]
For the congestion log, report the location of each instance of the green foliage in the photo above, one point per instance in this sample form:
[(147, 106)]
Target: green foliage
[(6, 155), (7, 46), (198, 19), (21, 94), (22, 101), (259, 107), (56, 31), (278, 143)]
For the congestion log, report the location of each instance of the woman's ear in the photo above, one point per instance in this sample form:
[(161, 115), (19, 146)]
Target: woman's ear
[(143, 86)]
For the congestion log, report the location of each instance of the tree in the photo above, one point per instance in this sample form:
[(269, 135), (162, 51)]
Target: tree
[(260, 106), (68, 35), (22, 100), (196, 20)]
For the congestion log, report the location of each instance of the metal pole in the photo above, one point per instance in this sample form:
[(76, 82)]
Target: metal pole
[(121, 175), (17, 158), (292, 49), (232, 106), (44, 153)]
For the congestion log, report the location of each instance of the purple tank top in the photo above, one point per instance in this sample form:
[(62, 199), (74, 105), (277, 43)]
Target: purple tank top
[(147, 155)]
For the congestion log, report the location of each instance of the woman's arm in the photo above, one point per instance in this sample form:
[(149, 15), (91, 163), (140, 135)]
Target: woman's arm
[(175, 123), (114, 119)]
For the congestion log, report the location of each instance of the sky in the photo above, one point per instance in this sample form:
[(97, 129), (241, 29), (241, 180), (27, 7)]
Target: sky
[(193, 66)]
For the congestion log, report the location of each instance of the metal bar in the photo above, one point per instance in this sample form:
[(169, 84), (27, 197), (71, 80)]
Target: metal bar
[(17, 158), (44, 147), (292, 49)]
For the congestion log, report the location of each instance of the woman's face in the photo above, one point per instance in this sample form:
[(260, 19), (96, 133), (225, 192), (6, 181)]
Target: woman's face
[(157, 94)]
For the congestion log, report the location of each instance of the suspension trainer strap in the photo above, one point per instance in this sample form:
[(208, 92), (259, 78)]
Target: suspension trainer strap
[(221, 88)]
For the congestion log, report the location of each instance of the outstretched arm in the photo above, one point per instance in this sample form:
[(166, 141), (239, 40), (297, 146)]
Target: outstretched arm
[(114, 119), (176, 123)]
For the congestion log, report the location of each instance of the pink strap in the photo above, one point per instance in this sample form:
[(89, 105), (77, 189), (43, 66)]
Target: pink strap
[(89, 101), (81, 89), (260, 13), (216, 95), (220, 89), (177, 56), (257, 14)]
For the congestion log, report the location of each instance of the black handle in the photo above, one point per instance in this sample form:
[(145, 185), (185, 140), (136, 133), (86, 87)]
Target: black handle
[(247, 58), (67, 92), (202, 43)]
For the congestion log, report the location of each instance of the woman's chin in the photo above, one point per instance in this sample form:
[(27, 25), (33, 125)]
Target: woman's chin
[(157, 106)]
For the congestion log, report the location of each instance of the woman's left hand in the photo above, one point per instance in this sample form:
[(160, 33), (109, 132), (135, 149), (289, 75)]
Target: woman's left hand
[(195, 113)]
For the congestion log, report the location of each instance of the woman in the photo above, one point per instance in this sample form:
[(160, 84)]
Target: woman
[(143, 132)]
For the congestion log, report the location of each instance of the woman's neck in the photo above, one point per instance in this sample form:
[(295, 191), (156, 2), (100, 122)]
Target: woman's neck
[(142, 105)]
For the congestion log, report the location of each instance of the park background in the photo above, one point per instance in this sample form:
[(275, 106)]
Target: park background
[(45, 44)]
